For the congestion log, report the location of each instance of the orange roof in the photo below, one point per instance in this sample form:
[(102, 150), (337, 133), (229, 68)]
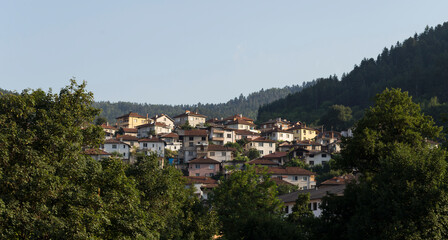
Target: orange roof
[(130, 130), (199, 179), (170, 135), (261, 161), (188, 113), (108, 126), (237, 116), (150, 140), (126, 138), (276, 155)]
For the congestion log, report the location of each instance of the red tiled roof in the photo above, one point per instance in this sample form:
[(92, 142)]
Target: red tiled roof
[(289, 171), (170, 135), (280, 181), (126, 138), (303, 127), (130, 130), (338, 180), (261, 139), (240, 121), (108, 127), (204, 160), (237, 116), (150, 140), (276, 155), (93, 151), (195, 132), (189, 113), (112, 141), (261, 161), (162, 115), (220, 148), (131, 114)]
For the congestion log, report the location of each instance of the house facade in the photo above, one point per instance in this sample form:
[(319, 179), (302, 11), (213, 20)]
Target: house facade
[(152, 145), (193, 118), (114, 146), (194, 144), (294, 175), (203, 167), (263, 145), (131, 120)]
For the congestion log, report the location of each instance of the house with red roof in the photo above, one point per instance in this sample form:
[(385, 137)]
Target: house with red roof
[(193, 118), (152, 145), (194, 144), (97, 154), (294, 175), (115, 146), (204, 166)]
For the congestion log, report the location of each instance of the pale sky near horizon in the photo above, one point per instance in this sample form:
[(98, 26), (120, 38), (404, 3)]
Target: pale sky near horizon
[(185, 52)]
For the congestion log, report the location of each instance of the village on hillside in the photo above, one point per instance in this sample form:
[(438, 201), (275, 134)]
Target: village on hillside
[(204, 150)]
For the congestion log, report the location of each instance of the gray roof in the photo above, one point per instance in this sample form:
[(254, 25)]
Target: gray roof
[(314, 193)]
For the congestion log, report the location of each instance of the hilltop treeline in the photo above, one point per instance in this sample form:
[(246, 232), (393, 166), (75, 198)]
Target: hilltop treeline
[(417, 65), (246, 105)]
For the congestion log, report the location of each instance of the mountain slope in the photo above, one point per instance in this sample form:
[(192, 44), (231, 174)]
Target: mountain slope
[(418, 65)]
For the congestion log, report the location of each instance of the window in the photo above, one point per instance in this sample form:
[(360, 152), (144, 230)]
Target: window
[(270, 144), (315, 205), (281, 134), (191, 138), (211, 166), (311, 155), (229, 135), (114, 146), (260, 144), (312, 163), (124, 146), (270, 152), (223, 154), (305, 188), (190, 144), (203, 138), (295, 178), (260, 151), (153, 145), (197, 166), (124, 154), (212, 174), (324, 155), (212, 154), (305, 178), (145, 145), (197, 174), (190, 153)]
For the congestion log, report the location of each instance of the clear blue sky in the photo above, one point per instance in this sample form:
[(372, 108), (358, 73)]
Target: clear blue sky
[(179, 52)]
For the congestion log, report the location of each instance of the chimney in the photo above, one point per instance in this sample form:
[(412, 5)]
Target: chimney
[(147, 116)]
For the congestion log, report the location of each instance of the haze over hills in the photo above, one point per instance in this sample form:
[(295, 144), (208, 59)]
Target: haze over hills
[(417, 65)]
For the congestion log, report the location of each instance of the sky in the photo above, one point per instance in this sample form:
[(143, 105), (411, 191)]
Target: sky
[(185, 52)]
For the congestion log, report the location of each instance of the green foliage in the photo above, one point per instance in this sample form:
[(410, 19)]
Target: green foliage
[(245, 199), (186, 126), (393, 119), (253, 154), (417, 65), (286, 188), (337, 117), (100, 121), (402, 191), (297, 162), (49, 189)]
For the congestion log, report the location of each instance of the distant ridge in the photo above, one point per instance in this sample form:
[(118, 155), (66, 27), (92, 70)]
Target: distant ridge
[(419, 65), (246, 105)]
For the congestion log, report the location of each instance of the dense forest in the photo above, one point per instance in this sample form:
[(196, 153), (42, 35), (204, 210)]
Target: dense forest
[(246, 105), (417, 65)]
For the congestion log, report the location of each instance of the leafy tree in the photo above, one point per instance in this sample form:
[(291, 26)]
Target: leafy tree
[(401, 192), (301, 215), (186, 126), (245, 201), (253, 154), (337, 117), (100, 121)]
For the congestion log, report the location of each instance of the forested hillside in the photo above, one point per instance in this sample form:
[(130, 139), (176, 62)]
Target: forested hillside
[(417, 65), (246, 105)]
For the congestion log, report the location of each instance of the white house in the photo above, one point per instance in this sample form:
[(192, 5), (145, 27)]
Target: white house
[(294, 175), (316, 195), (114, 146), (279, 135), (172, 141), (152, 145), (263, 145), (220, 153), (193, 119), (317, 157), (157, 128)]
